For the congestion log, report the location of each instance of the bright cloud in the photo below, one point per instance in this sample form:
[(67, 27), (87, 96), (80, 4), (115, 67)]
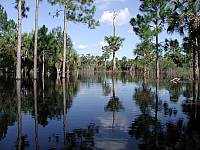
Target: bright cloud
[(102, 43), (123, 17), (82, 46)]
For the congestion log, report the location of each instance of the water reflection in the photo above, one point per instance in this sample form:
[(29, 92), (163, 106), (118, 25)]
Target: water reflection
[(36, 114), (85, 112), (22, 142), (114, 103)]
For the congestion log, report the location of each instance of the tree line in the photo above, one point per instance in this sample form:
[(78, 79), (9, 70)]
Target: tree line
[(50, 52)]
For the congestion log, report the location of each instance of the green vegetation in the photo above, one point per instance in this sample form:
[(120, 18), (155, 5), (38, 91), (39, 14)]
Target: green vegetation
[(47, 52)]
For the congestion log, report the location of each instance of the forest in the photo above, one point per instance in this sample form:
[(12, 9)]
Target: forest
[(50, 52), (146, 101)]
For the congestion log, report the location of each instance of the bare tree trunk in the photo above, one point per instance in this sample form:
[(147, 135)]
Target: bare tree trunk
[(64, 44), (19, 36), (35, 44), (145, 69), (195, 62), (114, 63), (43, 64), (157, 60), (105, 64)]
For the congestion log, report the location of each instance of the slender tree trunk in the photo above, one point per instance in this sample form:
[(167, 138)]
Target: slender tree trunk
[(114, 28), (105, 64), (157, 60), (196, 62), (19, 36), (35, 44), (43, 64), (145, 69), (65, 40), (19, 142), (114, 63), (36, 114)]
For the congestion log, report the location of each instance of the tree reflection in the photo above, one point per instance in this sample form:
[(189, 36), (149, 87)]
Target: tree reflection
[(144, 98), (36, 115), (64, 111), (7, 110), (82, 139), (146, 126), (114, 103), (22, 143), (106, 88), (51, 105), (174, 91), (178, 135)]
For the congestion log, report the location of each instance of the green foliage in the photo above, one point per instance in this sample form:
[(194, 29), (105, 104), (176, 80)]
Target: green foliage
[(25, 8), (114, 42), (173, 52), (78, 11), (106, 52), (5, 24)]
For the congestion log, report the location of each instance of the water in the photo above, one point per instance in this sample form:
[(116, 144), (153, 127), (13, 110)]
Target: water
[(92, 111)]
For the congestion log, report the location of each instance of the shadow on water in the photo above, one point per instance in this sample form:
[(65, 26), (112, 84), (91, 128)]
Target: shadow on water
[(85, 112)]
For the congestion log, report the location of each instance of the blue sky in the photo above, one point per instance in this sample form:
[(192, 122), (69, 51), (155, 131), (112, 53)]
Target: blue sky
[(87, 40)]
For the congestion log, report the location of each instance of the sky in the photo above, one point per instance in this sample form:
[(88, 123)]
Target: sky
[(88, 41)]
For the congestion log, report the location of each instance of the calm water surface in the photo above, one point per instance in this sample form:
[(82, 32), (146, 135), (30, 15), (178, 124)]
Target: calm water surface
[(98, 112)]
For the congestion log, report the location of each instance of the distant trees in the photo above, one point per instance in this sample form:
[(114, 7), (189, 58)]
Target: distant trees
[(75, 11)]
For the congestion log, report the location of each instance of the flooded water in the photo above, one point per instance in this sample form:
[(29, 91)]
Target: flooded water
[(99, 112)]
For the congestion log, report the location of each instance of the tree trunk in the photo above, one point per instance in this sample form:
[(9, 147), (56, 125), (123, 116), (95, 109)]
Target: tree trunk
[(64, 44), (157, 60), (195, 62), (58, 72), (19, 36), (43, 64), (145, 69), (114, 63), (35, 44), (105, 64)]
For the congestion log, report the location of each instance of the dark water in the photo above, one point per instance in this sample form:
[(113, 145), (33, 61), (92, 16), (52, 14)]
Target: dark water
[(98, 112)]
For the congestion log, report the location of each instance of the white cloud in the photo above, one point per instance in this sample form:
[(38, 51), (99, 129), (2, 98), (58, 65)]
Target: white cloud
[(82, 46), (102, 43), (123, 17)]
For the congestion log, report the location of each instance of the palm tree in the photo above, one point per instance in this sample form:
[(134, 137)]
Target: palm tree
[(114, 43)]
